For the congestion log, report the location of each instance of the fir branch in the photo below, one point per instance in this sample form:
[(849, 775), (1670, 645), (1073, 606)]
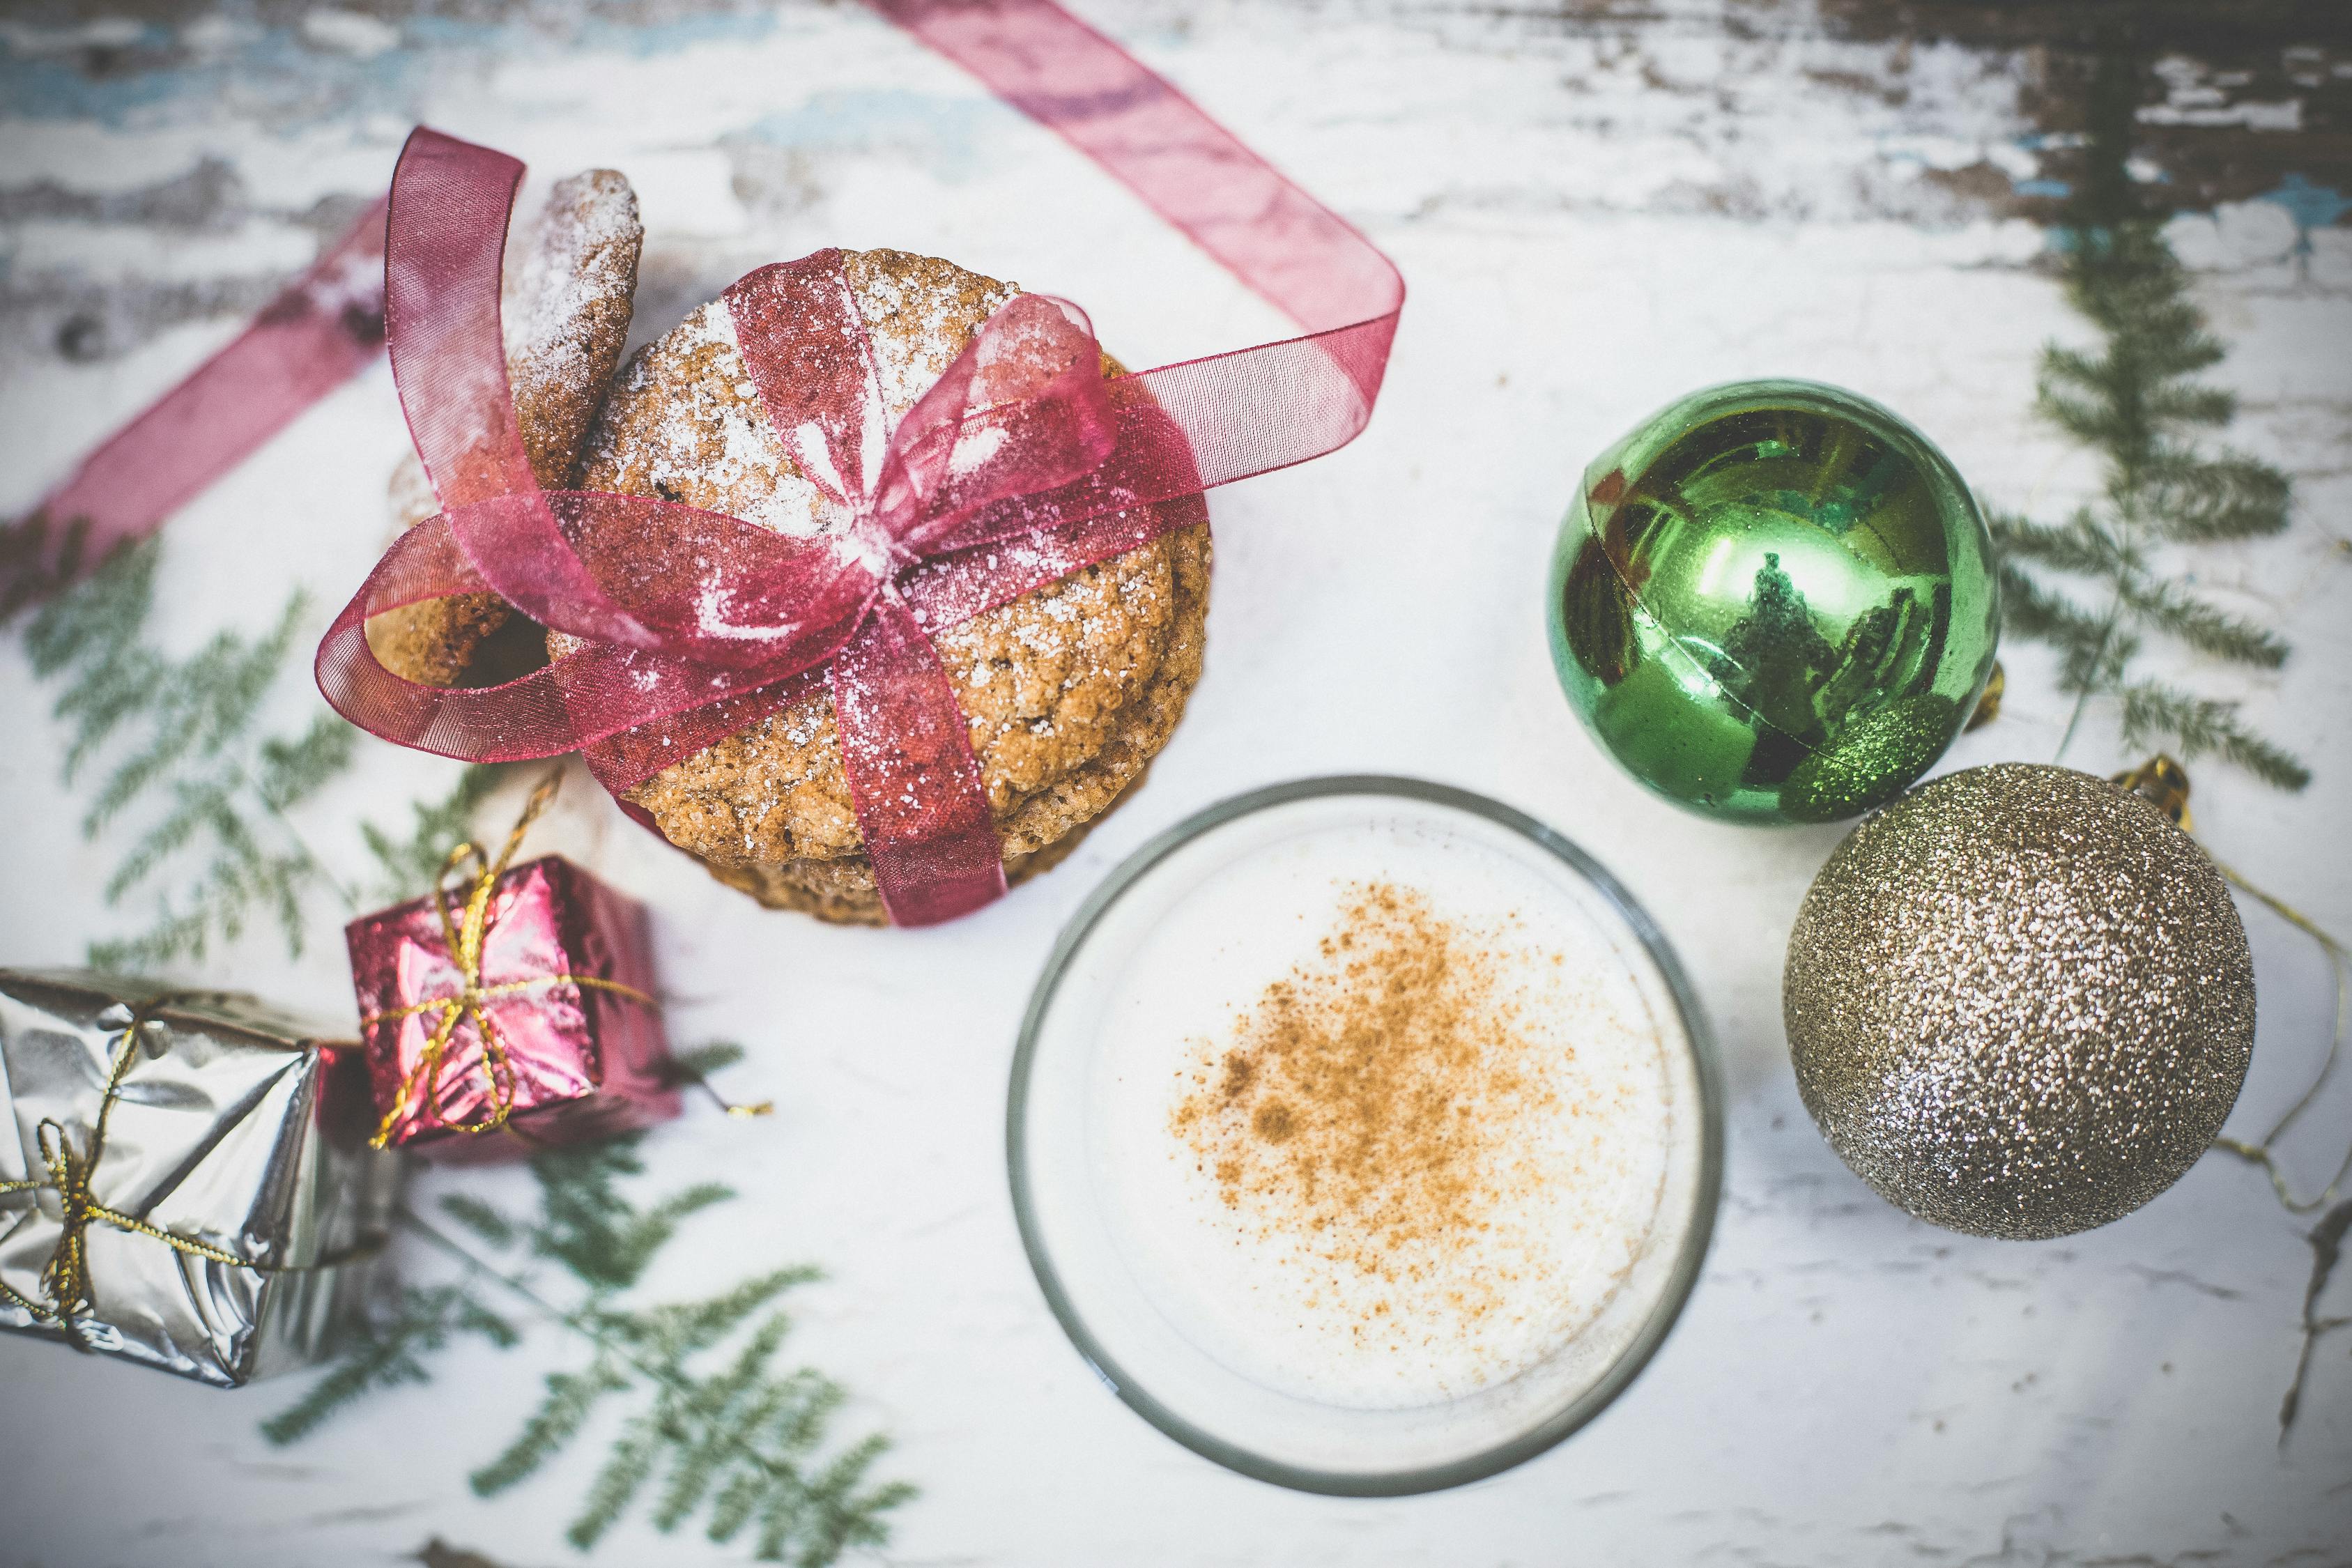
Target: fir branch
[(480, 1219), (195, 802), (571, 1398), (2198, 500), (177, 736), (748, 1434), (2178, 405), (2047, 615), (589, 1229), (622, 1475), (2133, 399), (2077, 546), (2168, 606), (412, 864), (172, 934), (199, 706), (2091, 423), (743, 1444), (621, 1253), (2201, 726), (290, 772), (682, 1330), (741, 1399), (386, 1355), (696, 1063), (2091, 668), (92, 630), (847, 1516)]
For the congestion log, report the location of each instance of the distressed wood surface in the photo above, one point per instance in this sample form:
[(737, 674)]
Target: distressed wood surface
[(1597, 207)]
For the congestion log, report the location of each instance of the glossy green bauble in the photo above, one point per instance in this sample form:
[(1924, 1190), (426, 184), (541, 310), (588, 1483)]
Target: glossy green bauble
[(1774, 602)]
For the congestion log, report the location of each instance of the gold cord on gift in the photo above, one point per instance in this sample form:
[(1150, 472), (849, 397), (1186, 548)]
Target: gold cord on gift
[(2164, 783), (465, 935), (66, 1278)]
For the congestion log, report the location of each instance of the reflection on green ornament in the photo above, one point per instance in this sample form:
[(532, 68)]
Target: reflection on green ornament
[(1774, 602)]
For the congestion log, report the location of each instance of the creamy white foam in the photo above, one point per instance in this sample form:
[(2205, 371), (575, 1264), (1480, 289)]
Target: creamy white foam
[(1548, 1203)]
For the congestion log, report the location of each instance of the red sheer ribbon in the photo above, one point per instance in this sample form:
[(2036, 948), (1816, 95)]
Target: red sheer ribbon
[(319, 332), (1020, 466)]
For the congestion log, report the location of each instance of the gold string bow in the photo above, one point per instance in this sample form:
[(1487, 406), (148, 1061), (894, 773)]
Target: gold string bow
[(465, 935), (65, 1276), (2164, 783)]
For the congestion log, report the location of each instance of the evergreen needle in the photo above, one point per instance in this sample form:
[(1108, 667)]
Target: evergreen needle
[(180, 741), (730, 1444), (2135, 402)]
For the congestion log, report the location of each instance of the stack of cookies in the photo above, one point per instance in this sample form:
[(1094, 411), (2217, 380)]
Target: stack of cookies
[(1068, 692)]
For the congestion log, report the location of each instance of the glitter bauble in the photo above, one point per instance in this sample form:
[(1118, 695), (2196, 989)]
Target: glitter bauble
[(2019, 1002), (1774, 602)]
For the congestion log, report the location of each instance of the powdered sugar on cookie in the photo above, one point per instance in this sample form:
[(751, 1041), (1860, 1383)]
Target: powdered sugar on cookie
[(1067, 692)]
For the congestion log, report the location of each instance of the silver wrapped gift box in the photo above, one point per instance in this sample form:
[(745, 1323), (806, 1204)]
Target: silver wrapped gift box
[(184, 1176)]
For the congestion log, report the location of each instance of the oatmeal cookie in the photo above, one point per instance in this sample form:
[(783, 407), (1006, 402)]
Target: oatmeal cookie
[(1068, 691), (565, 301)]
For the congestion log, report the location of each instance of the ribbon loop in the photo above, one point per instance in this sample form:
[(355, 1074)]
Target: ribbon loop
[(450, 200), (804, 343)]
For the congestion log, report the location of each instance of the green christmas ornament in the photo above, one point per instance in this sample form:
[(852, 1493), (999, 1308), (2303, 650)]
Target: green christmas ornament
[(1774, 602)]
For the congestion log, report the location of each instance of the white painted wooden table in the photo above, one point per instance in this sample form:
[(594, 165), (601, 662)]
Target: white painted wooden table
[(1593, 215)]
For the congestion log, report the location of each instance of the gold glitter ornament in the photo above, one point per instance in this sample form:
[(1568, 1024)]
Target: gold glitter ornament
[(2019, 1002)]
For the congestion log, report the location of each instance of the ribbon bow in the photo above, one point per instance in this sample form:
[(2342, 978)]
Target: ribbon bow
[(65, 1276), (1022, 465), (463, 934)]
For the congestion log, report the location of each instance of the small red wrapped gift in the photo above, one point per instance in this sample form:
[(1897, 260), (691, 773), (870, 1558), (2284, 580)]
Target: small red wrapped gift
[(511, 1013)]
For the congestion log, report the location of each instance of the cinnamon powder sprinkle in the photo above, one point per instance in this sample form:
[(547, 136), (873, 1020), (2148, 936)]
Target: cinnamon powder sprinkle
[(1366, 1107)]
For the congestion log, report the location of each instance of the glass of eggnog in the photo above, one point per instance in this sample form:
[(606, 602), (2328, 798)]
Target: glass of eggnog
[(1364, 1135)]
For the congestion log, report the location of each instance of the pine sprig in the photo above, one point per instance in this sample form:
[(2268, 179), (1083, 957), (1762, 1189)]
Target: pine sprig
[(386, 1354), (410, 866), (2202, 726), (181, 751), (695, 1064), (570, 1397), (2169, 607), (586, 1226), (2227, 496), (2133, 400), (624, 1473), (2077, 545), (180, 733), (709, 1430), (480, 1219)]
